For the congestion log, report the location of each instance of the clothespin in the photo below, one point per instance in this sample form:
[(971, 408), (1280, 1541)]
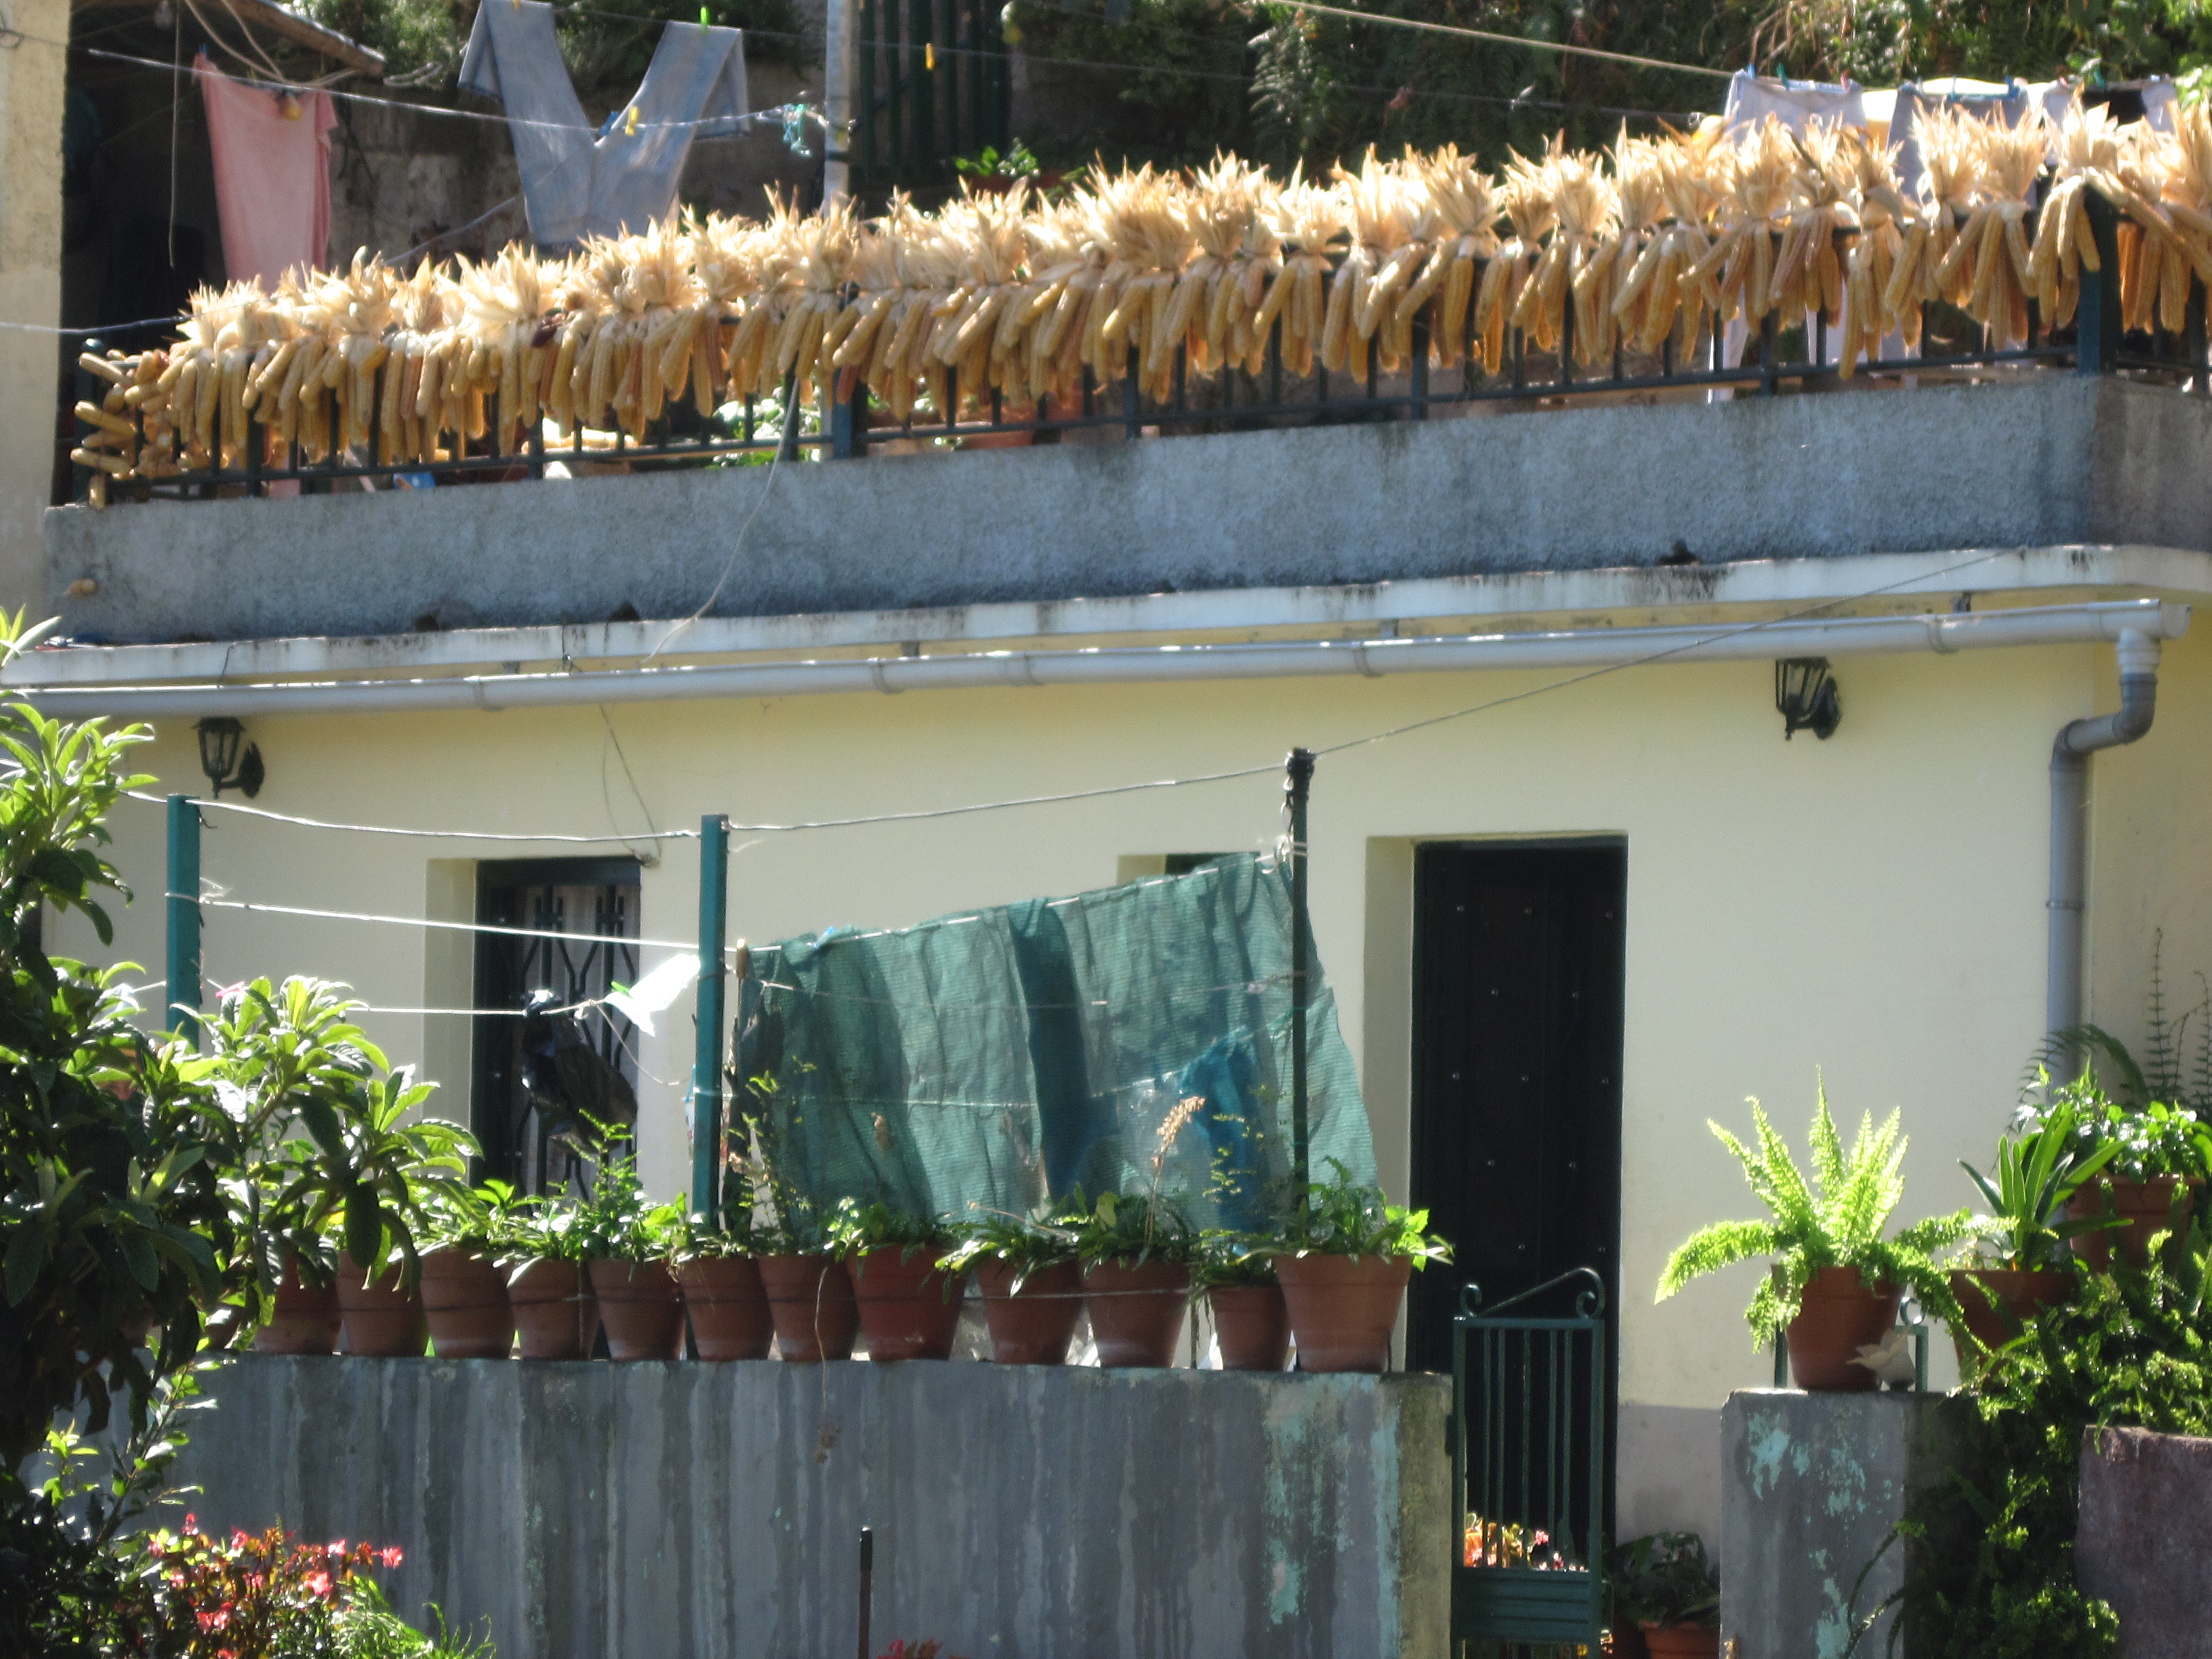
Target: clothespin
[(703, 20), (929, 55), (289, 104), (629, 123)]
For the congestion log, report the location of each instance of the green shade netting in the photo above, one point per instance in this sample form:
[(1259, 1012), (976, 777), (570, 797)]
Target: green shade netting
[(1003, 1059)]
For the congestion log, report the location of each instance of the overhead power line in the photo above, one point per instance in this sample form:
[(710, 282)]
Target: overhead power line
[(1512, 40)]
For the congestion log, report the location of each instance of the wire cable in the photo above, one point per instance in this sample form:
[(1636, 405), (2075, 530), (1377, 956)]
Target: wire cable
[(1510, 40), (206, 902), (434, 834)]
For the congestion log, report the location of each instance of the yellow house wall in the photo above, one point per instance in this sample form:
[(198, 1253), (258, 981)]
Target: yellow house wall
[(30, 285), (1869, 908)]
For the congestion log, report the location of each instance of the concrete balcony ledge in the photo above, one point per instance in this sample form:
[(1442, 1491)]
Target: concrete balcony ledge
[(713, 1510), (2052, 460)]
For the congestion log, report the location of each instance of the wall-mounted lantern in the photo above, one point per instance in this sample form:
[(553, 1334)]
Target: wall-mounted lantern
[(220, 736), (1805, 696)]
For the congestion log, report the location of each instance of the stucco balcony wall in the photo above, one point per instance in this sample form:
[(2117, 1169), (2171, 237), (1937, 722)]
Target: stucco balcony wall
[(713, 1510), (2053, 460)]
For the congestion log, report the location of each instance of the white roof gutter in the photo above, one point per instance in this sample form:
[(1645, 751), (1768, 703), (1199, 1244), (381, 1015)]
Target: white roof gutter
[(1588, 647)]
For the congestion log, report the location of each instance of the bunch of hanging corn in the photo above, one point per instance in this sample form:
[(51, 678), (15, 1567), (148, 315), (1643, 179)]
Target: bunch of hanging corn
[(1015, 300)]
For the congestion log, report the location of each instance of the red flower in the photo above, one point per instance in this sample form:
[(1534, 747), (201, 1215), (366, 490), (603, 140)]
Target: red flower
[(319, 1585), (192, 1522), (390, 1555)]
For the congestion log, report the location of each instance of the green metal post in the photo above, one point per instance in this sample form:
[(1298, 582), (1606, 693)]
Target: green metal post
[(182, 993), (1298, 784), (707, 1055)]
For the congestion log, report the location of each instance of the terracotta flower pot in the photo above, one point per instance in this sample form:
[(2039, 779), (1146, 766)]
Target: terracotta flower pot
[(1342, 1308), (2147, 1206), (810, 1297), (380, 1320), (1839, 1316), (727, 1306), (908, 1310), (1681, 1641), (2022, 1295), (641, 1309), (306, 1321), (1252, 1325), (465, 1300), (1034, 1325), (1136, 1309), (556, 1316)]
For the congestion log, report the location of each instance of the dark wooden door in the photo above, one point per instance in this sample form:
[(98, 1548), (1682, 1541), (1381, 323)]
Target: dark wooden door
[(1517, 994)]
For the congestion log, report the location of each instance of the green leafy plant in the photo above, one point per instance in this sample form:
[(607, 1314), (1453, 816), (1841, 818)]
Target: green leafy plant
[(1019, 162), (617, 1220), (854, 1228), (1663, 1578), (1023, 1244), (486, 1219), (1228, 1258), (1145, 1227), (2038, 1170), (1835, 1220), (2147, 1141), (287, 1059), (1338, 1217)]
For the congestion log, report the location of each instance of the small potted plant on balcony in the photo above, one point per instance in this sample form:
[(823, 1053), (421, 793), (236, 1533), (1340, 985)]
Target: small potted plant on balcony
[(2024, 1264), (909, 1304), (291, 1059), (1031, 1281), (1666, 1597), (549, 1285), (1836, 1281), (1137, 1252), (629, 1242), (1344, 1262), (723, 1296), (2160, 1155), (466, 1231), (1251, 1322)]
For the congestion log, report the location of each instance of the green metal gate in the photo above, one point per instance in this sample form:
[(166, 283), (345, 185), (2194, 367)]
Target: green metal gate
[(933, 85), (1529, 1458)]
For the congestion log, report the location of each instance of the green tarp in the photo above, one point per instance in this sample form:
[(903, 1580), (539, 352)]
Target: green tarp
[(1005, 1058)]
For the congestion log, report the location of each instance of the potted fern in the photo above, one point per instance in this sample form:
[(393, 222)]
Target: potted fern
[(629, 1242), (909, 1303), (1251, 1323), (1031, 1281), (1836, 1280)]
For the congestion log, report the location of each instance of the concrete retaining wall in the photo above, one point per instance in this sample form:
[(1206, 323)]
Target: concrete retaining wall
[(641, 1512), (2146, 1511), (2054, 459), (1811, 1486)]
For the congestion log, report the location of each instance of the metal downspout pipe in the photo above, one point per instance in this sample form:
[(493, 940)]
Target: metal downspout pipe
[(2069, 818)]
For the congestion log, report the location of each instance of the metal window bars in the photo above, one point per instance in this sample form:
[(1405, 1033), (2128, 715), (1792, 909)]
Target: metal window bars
[(1232, 399), (1529, 1468)]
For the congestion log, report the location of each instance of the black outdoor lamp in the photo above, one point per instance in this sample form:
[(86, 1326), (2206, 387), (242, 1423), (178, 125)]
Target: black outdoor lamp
[(1805, 696), (219, 740)]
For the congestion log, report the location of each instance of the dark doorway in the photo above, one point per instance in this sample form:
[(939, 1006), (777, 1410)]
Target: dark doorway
[(544, 1076), (1517, 1004)]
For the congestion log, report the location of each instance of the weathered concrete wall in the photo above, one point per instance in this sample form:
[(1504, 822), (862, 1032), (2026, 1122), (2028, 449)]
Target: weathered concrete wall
[(2056, 460), (2146, 1511), (710, 1510), (1811, 1486), (31, 84)]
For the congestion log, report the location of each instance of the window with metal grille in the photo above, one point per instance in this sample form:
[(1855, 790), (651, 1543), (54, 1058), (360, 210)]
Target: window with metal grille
[(544, 1081)]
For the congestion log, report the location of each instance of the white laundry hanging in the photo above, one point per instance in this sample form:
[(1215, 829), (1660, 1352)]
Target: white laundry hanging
[(577, 182)]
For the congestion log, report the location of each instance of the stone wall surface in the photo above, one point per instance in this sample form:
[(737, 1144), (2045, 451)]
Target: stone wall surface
[(711, 1510), (2058, 460), (1811, 1486), (2146, 1511)]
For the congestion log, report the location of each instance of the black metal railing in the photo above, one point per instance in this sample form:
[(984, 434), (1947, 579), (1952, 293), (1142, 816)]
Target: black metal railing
[(847, 426)]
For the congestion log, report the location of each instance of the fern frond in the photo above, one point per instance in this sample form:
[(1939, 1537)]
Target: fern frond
[(1710, 1249)]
